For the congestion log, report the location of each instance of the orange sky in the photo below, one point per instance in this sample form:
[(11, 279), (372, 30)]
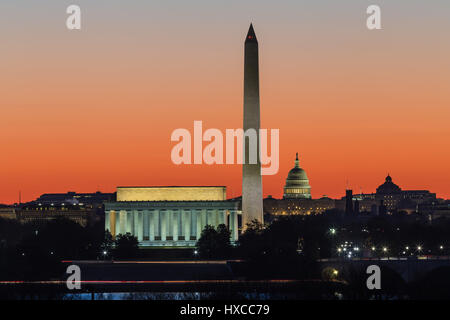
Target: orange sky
[(94, 109)]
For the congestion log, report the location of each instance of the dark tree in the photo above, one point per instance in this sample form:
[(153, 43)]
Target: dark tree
[(106, 246), (251, 243), (61, 238), (214, 243), (39, 254), (223, 241), (126, 246)]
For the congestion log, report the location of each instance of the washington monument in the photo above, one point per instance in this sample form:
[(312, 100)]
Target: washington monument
[(252, 198)]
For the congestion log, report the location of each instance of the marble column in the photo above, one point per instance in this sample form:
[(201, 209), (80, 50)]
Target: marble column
[(163, 217), (198, 216), (135, 223), (169, 223), (117, 223), (223, 217), (204, 220), (112, 222), (187, 225), (122, 221), (151, 224), (156, 224), (175, 221), (130, 222), (215, 215), (209, 217), (234, 225), (145, 224), (107, 223), (140, 233)]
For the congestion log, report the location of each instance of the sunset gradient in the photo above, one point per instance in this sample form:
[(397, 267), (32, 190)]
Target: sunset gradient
[(94, 109)]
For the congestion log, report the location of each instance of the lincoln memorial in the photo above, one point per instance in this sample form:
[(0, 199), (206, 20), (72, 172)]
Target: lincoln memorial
[(170, 216)]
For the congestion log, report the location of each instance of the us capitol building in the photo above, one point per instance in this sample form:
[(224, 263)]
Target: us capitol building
[(297, 183), (297, 196), (388, 199)]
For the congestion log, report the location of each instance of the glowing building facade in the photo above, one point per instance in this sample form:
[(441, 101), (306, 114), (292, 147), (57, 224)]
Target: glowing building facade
[(297, 183), (170, 216)]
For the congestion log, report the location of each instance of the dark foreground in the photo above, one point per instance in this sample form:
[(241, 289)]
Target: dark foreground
[(178, 280)]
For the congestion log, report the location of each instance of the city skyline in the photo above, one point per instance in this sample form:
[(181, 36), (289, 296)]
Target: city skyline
[(92, 110), (356, 192), (225, 158)]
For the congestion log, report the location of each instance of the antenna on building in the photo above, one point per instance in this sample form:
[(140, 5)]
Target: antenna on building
[(20, 197)]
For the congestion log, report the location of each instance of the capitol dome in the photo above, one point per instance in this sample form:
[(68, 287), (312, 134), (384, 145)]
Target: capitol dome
[(388, 187), (297, 183)]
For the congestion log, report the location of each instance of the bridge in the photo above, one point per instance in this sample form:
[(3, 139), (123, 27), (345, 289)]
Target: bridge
[(409, 269)]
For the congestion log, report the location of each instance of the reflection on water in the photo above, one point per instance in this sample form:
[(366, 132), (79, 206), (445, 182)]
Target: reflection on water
[(135, 296), (181, 296)]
